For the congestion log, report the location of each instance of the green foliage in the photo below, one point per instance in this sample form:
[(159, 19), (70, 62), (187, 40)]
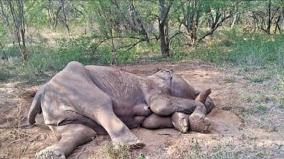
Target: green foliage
[(4, 75), (105, 55), (43, 60), (36, 13), (120, 32)]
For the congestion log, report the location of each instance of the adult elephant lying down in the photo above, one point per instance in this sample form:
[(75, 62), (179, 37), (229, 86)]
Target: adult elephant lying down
[(82, 101)]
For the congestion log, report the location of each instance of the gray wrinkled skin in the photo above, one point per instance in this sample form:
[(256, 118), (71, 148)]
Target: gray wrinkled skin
[(82, 101)]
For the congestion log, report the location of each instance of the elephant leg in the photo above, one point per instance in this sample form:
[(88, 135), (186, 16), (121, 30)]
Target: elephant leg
[(178, 120), (155, 121), (198, 121), (209, 104), (181, 121), (141, 110), (71, 136), (166, 105), (118, 131), (102, 112)]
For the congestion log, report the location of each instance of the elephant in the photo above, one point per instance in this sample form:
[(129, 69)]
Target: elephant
[(80, 102)]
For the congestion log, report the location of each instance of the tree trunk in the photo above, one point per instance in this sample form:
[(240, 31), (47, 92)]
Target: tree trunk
[(65, 21), (269, 18), (23, 46), (277, 26), (19, 25), (164, 41), (164, 29)]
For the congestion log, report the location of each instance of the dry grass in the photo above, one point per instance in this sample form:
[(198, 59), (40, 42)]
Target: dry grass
[(122, 152)]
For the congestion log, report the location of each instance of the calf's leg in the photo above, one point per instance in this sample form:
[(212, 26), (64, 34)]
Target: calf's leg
[(99, 108), (155, 121), (177, 120), (180, 121), (71, 136), (141, 110), (118, 131), (179, 108), (164, 105), (198, 121)]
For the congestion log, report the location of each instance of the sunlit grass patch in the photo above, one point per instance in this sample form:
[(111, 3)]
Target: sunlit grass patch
[(226, 149), (257, 78), (121, 152)]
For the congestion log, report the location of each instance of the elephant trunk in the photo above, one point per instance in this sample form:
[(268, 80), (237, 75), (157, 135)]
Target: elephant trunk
[(203, 96), (35, 107)]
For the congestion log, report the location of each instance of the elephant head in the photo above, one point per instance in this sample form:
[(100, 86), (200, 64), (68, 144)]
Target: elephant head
[(175, 85)]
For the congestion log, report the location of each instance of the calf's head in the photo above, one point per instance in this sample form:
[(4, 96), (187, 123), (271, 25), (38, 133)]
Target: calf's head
[(177, 86)]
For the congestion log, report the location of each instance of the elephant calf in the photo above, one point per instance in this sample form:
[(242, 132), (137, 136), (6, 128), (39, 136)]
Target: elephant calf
[(82, 101)]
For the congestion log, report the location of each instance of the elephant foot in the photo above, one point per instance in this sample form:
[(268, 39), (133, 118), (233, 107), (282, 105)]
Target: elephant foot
[(200, 123), (49, 153), (180, 122), (132, 143)]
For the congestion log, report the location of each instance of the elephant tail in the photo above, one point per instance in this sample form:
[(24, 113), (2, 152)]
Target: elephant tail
[(35, 107)]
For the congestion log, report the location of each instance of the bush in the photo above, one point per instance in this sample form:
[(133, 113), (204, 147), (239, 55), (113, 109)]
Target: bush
[(44, 61)]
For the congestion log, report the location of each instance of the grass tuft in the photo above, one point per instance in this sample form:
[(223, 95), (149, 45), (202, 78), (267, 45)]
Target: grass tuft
[(121, 152)]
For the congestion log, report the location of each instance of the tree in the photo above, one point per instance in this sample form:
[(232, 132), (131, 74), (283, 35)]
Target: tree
[(18, 16), (197, 16), (265, 17), (163, 21), (118, 21)]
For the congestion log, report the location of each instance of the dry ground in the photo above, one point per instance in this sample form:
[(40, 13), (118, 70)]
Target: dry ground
[(248, 111)]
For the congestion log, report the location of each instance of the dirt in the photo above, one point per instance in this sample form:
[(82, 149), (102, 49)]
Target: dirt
[(244, 131)]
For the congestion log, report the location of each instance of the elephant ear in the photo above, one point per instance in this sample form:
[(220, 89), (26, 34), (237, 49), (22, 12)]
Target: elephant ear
[(180, 88)]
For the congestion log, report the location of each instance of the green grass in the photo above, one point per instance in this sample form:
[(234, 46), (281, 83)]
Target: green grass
[(225, 150), (261, 108), (4, 75), (280, 88), (258, 78), (246, 50)]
